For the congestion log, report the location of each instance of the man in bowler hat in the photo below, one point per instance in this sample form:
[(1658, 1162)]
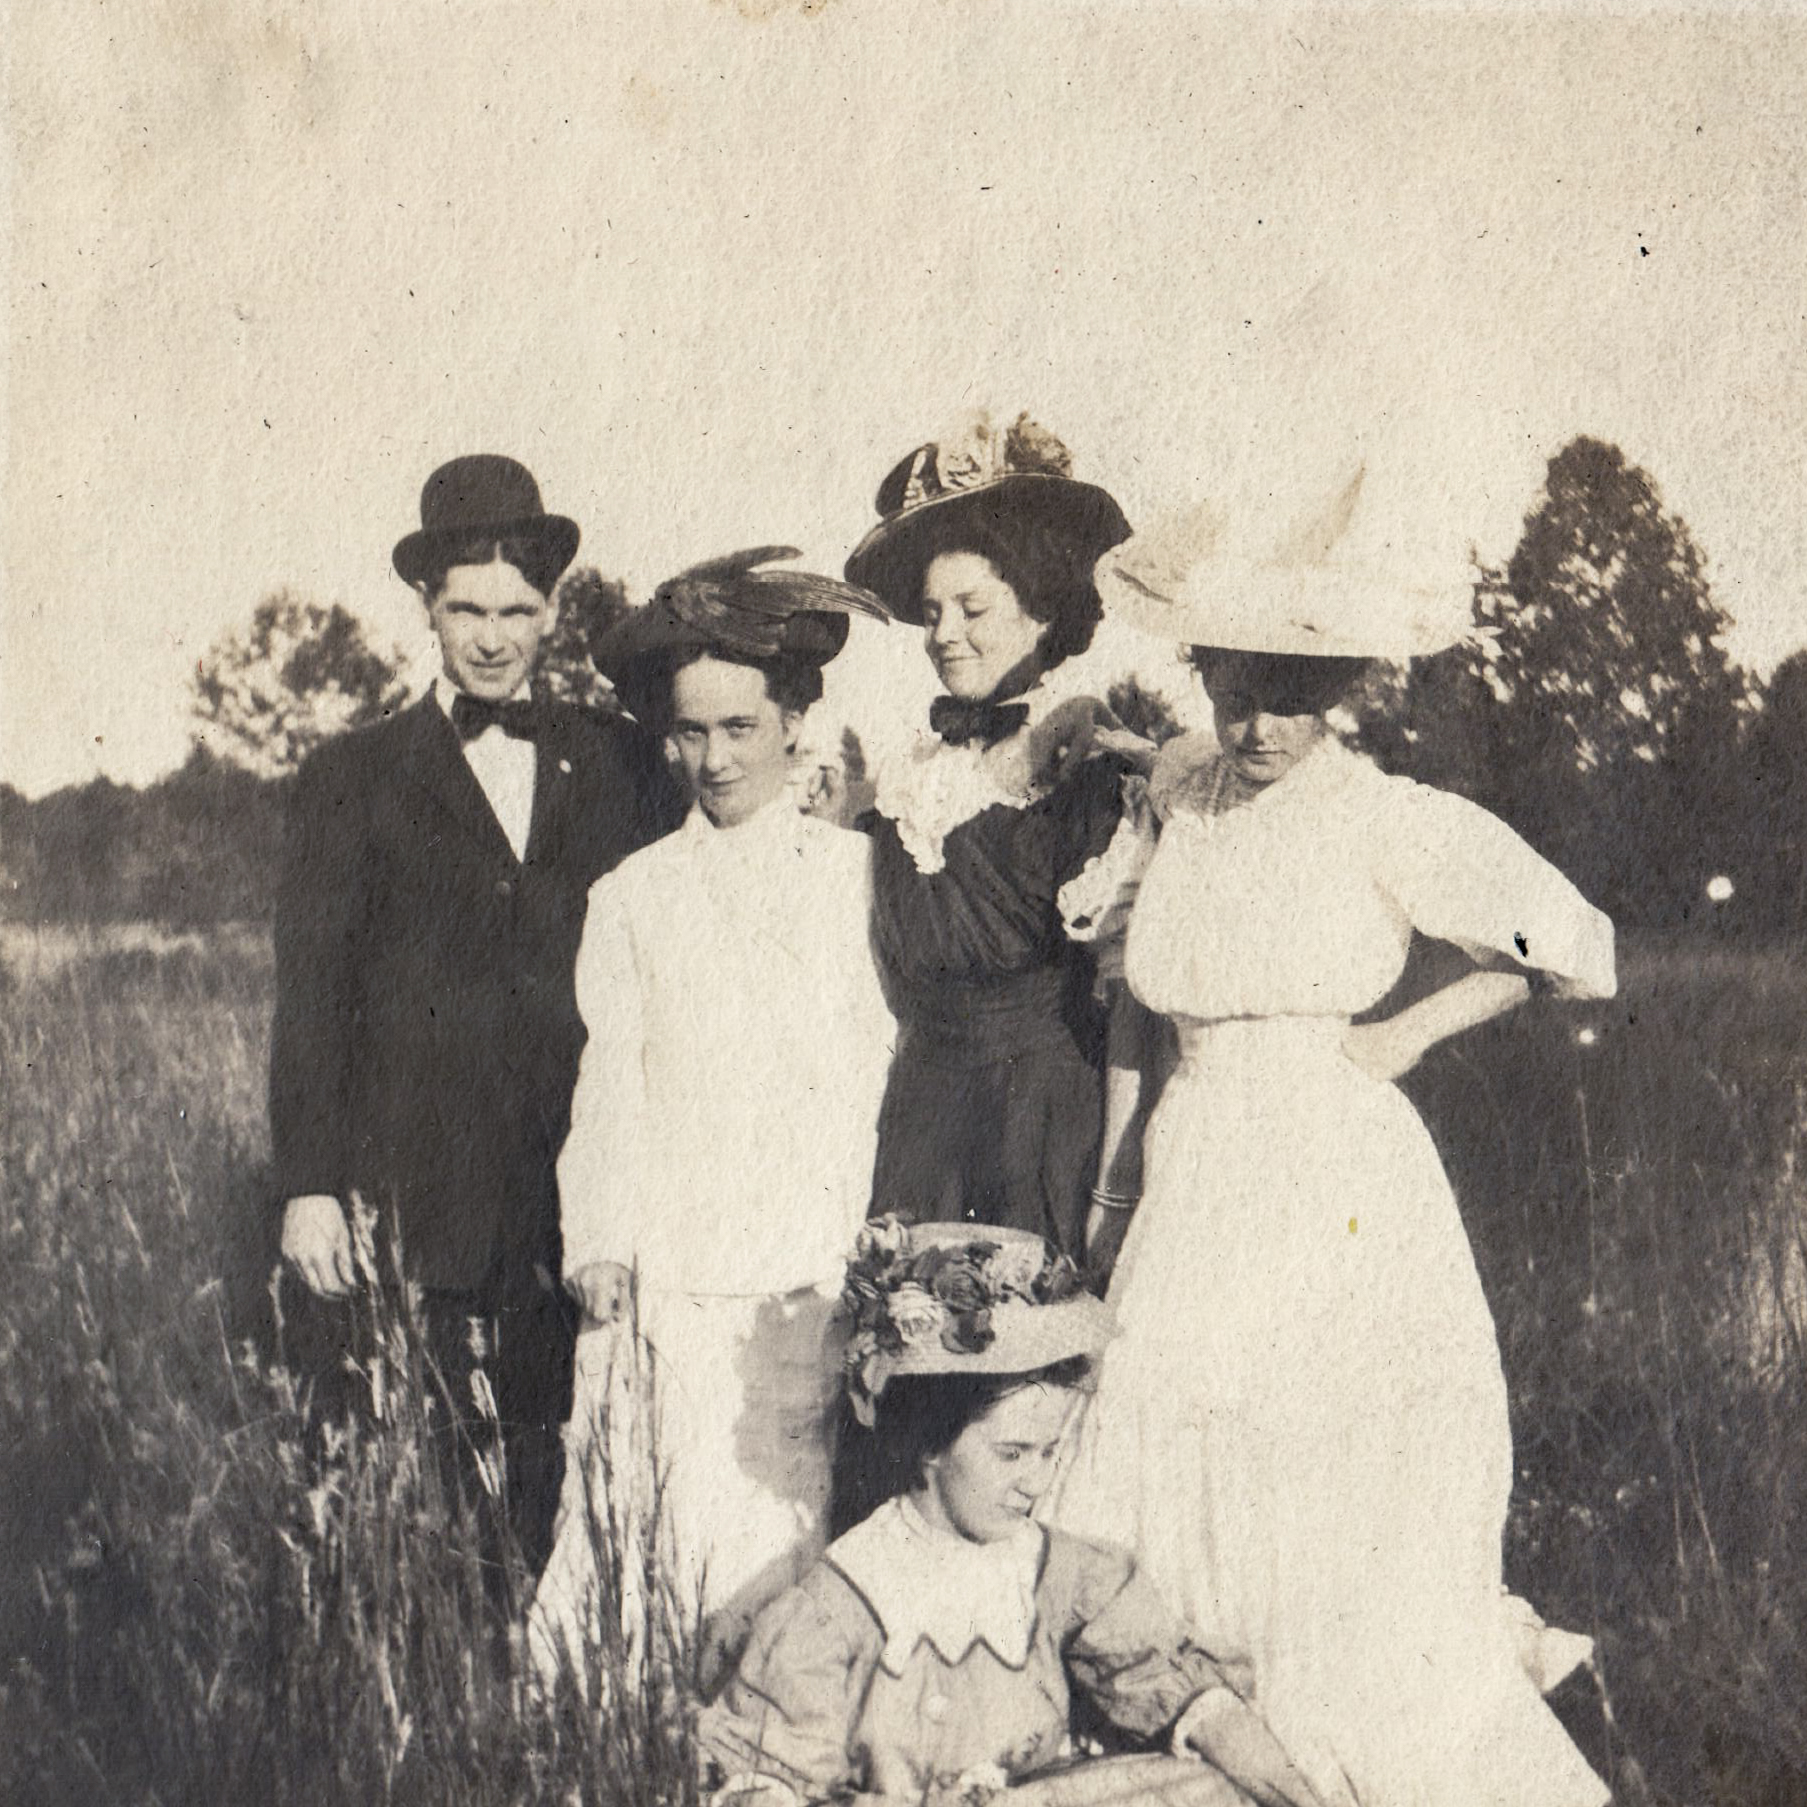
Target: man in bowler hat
[(426, 1034)]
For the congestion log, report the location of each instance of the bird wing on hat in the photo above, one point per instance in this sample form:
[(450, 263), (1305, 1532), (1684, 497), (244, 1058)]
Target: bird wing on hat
[(730, 598)]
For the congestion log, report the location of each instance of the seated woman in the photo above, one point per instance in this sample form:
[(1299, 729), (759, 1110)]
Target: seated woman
[(931, 1655)]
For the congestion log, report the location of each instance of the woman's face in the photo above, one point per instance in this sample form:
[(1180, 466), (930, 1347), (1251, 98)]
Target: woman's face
[(1260, 731), (976, 630), (993, 1475), (734, 741)]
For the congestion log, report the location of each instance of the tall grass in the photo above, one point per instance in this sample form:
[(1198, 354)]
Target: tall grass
[(1632, 1178), (204, 1600), (197, 1605)]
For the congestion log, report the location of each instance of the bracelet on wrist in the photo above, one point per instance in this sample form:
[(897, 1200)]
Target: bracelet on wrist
[(1115, 1201)]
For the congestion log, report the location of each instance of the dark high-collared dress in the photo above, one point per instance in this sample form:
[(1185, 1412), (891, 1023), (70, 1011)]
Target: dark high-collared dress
[(426, 1034), (994, 1106)]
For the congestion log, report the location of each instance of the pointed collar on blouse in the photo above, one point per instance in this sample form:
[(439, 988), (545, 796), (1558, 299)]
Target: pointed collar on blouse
[(926, 1584)]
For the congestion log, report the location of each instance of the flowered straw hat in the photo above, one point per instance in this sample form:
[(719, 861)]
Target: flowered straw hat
[(1006, 476), (1314, 588), (942, 1298)]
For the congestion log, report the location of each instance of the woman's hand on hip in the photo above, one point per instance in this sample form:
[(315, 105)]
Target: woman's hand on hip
[(1385, 1051)]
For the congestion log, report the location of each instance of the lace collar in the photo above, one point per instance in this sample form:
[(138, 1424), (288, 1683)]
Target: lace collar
[(929, 1585), (927, 788)]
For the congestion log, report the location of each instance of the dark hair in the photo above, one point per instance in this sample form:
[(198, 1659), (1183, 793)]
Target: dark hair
[(793, 684), (1052, 583), (526, 552), (922, 1416), (1292, 683)]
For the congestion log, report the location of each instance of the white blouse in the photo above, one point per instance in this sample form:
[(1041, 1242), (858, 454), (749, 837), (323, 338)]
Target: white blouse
[(1302, 901), (726, 1112)]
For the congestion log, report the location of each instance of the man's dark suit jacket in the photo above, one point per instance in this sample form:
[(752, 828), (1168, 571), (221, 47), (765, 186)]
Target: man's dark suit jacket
[(426, 1038)]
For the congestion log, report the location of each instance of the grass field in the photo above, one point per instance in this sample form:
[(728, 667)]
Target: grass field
[(188, 1614)]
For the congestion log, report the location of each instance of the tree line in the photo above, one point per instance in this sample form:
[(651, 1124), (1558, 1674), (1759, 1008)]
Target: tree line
[(1596, 709)]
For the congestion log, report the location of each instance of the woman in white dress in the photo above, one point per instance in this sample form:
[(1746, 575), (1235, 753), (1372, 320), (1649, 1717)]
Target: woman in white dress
[(1303, 1430), (720, 1155)]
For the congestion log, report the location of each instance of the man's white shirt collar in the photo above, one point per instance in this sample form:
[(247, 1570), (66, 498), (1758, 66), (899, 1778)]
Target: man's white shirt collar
[(502, 765), (446, 693)]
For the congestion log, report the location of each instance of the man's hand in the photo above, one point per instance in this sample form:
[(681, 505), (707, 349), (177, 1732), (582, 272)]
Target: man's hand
[(1226, 1731), (601, 1289), (316, 1242)]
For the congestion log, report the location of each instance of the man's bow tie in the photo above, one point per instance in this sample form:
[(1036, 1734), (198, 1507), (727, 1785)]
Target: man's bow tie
[(959, 721), (472, 714)]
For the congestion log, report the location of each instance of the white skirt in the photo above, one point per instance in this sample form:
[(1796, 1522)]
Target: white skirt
[(698, 1452), (1302, 1429)]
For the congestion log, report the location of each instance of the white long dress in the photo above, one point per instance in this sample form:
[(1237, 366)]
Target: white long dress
[(1302, 1429), (721, 1147)]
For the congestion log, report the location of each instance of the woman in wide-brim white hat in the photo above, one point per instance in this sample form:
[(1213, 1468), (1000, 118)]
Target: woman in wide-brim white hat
[(1304, 1423), (932, 1655)]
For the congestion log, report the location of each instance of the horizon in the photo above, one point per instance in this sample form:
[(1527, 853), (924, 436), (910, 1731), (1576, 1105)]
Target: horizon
[(710, 275)]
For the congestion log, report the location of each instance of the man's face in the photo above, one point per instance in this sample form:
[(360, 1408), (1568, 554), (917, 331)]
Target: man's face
[(734, 741), (490, 621)]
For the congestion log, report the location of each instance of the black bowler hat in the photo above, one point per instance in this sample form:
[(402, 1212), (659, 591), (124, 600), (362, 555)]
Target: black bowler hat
[(485, 496)]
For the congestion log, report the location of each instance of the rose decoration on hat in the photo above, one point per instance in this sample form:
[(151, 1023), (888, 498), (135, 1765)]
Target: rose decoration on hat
[(1015, 479), (955, 1298)]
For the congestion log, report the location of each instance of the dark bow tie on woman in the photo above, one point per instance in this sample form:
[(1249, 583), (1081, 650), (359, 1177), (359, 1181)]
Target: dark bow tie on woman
[(960, 720), (471, 715)]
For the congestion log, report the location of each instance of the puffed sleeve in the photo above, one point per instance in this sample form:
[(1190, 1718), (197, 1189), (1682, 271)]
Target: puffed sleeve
[(1095, 904), (791, 1712), (1088, 808), (596, 1184), (1461, 875), (1124, 1649)]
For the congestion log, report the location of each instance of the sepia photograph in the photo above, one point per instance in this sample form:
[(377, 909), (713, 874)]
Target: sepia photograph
[(903, 903)]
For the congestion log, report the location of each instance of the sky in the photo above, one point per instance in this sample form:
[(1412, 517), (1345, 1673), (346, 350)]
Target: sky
[(710, 267)]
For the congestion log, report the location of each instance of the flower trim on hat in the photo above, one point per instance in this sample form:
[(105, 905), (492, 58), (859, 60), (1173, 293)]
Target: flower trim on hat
[(977, 452), (902, 1299)]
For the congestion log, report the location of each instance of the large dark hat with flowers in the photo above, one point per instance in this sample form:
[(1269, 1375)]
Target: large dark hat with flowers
[(730, 606), (486, 496), (958, 1298), (1008, 477)]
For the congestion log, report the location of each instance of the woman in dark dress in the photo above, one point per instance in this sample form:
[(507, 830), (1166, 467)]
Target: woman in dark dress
[(994, 1108)]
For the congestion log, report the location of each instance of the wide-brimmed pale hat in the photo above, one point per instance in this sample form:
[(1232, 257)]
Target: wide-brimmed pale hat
[(962, 1298), (1009, 477), (729, 605), (1311, 589), (485, 495)]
